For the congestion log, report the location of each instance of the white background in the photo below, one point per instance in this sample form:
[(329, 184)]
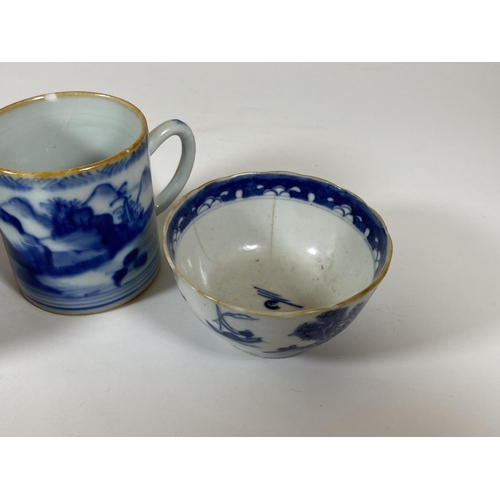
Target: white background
[(418, 142)]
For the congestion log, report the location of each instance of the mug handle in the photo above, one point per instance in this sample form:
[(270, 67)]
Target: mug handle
[(156, 138)]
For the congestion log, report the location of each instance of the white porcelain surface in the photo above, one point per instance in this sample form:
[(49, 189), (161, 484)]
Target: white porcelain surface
[(318, 259)]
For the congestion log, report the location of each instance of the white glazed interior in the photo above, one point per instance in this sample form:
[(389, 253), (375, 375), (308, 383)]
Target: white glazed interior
[(56, 132), (308, 255)]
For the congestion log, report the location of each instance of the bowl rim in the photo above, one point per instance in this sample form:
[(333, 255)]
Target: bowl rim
[(277, 314)]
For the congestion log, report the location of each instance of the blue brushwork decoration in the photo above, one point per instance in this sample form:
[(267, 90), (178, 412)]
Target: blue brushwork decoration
[(110, 233), (327, 324), (274, 299), (221, 325)]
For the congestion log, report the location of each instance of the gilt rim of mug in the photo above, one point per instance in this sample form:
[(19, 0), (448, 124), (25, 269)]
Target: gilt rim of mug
[(81, 168), (279, 314)]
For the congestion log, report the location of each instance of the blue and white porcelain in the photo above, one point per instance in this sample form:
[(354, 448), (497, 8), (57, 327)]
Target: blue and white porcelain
[(275, 262), (77, 210)]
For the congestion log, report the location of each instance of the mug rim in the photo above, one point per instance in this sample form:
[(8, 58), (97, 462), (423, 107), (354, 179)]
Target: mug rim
[(81, 168), (276, 314)]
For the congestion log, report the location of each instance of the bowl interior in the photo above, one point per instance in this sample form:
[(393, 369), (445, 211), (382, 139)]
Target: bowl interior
[(276, 254), (293, 247)]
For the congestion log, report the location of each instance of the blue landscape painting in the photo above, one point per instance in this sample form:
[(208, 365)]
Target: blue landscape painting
[(66, 237)]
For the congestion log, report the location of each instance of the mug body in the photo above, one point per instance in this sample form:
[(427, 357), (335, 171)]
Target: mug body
[(77, 210)]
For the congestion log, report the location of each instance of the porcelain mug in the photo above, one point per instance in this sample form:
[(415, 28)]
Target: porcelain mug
[(77, 210)]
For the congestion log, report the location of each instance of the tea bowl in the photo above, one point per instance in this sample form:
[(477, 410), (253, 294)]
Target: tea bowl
[(275, 263)]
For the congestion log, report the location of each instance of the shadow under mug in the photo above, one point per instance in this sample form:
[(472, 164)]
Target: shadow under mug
[(77, 209)]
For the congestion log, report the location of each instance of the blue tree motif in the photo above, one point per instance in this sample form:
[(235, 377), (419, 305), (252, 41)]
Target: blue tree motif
[(62, 215), (224, 328)]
